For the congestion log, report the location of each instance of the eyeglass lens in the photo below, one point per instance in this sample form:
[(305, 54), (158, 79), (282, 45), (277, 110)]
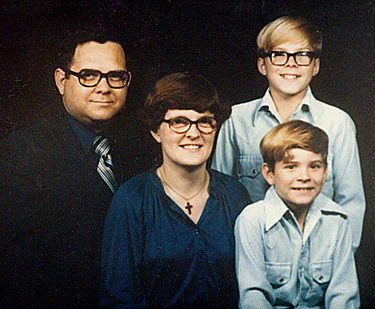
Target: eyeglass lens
[(281, 58), (115, 79), (182, 124)]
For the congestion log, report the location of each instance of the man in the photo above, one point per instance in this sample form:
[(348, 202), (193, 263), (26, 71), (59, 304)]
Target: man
[(61, 175)]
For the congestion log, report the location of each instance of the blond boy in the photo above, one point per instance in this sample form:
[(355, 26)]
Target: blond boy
[(294, 248), (289, 57)]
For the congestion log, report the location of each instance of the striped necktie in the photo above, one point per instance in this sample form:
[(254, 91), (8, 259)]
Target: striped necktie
[(105, 165)]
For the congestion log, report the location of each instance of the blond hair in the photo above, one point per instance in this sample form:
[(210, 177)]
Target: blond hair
[(289, 29), (276, 144)]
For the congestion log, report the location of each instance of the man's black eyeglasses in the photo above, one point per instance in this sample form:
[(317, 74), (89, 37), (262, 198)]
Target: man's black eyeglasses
[(302, 58), (205, 125), (90, 78)]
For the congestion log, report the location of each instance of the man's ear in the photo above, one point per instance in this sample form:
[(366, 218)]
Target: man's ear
[(156, 136), (60, 80), (316, 66), (268, 174), (262, 66)]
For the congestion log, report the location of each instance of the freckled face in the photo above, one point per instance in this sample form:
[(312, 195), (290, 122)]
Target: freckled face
[(191, 148), (289, 79), (299, 178), (91, 105)]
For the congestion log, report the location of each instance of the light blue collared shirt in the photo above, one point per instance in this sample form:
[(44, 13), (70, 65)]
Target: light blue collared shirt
[(237, 151), (279, 266)]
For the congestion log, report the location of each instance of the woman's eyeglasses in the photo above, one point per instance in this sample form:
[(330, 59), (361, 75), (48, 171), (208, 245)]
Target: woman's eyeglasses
[(180, 124)]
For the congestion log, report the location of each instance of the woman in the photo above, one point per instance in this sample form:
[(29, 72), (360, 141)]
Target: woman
[(168, 238)]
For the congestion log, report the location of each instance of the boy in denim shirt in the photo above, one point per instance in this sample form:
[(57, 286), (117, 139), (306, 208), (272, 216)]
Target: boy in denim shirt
[(289, 56), (294, 248)]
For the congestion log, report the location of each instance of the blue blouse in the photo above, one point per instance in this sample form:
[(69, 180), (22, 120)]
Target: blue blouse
[(154, 256)]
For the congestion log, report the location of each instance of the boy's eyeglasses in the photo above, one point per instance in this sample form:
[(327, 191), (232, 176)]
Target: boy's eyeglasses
[(302, 58), (205, 125), (90, 78)]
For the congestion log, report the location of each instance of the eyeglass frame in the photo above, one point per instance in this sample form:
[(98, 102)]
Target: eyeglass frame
[(105, 75), (312, 55), (191, 122)]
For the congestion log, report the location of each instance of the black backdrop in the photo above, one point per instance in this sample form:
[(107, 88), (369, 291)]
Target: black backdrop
[(214, 38)]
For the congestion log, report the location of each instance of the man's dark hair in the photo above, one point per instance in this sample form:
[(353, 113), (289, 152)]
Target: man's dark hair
[(78, 37)]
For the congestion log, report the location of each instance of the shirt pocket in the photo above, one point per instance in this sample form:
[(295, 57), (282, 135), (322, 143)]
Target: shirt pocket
[(249, 173), (278, 274), (322, 272), (250, 166)]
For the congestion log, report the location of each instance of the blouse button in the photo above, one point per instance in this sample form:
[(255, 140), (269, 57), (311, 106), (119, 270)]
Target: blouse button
[(321, 277), (281, 280)]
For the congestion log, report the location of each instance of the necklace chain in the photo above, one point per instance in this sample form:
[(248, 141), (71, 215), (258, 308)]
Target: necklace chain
[(187, 199)]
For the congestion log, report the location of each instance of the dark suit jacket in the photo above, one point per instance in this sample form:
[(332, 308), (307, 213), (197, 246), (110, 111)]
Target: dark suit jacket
[(53, 212)]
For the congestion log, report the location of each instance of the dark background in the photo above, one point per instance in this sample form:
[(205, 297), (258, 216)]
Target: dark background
[(214, 38)]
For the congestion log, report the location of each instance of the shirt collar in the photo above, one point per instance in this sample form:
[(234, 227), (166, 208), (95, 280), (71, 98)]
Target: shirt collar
[(275, 208), (307, 102), (84, 135), (323, 204), (267, 105)]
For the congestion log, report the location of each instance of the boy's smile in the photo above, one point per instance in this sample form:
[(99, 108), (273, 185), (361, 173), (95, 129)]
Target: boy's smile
[(289, 79), (298, 179)]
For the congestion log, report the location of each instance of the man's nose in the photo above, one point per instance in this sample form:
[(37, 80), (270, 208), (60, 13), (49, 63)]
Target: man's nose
[(103, 85)]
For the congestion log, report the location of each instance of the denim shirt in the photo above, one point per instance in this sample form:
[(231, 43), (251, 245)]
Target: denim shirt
[(237, 151), (279, 266)]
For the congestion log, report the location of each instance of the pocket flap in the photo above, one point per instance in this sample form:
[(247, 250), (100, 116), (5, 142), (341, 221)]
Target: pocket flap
[(250, 166), (278, 273), (322, 271)]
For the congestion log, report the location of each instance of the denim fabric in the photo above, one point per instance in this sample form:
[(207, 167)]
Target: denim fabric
[(279, 266), (237, 151)]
